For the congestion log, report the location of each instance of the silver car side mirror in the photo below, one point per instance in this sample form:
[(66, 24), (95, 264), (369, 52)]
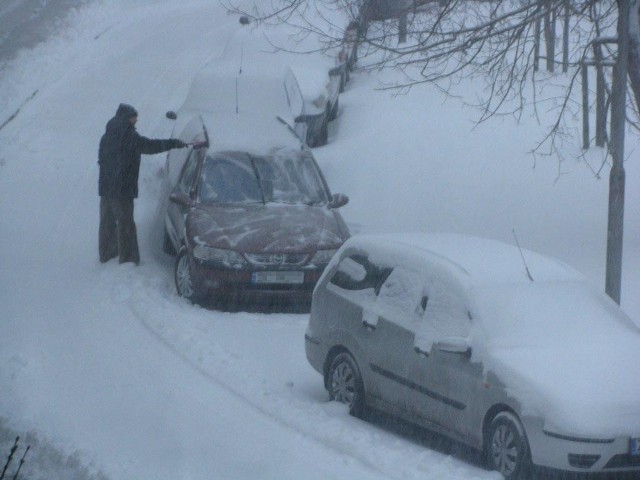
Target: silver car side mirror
[(453, 345)]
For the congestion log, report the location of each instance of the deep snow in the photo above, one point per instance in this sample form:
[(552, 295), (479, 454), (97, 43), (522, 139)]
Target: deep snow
[(124, 379)]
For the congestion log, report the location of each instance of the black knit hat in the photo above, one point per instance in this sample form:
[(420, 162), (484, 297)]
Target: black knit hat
[(125, 110)]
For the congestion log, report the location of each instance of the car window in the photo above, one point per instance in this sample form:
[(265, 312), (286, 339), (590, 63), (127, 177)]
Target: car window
[(446, 314), (402, 293), (294, 180), (189, 173), (229, 180), (358, 278)]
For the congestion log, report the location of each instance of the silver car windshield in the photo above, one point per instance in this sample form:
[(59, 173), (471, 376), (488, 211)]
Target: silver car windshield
[(244, 179)]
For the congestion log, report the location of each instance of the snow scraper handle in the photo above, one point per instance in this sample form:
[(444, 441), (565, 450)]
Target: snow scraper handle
[(199, 145)]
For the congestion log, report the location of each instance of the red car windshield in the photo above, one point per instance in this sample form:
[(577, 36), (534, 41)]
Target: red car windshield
[(247, 179)]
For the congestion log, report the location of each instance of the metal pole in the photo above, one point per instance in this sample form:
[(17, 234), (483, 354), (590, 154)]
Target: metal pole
[(617, 176)]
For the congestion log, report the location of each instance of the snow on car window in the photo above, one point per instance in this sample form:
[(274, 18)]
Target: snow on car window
[(358, 279), (229, 180), (295, 179), (352, 269), (446, 314), (401, 293)]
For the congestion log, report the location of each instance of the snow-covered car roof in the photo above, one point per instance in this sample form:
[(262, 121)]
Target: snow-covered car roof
[(240, 106), (265, 49), (475, 261)]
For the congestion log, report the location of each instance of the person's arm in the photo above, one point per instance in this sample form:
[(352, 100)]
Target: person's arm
[(149, 146)]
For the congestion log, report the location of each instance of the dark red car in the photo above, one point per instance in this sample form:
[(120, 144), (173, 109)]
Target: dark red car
[(246, 225)]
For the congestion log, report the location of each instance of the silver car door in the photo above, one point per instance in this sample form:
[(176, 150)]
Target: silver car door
[(352, 292), (447, 382), (395, 311)]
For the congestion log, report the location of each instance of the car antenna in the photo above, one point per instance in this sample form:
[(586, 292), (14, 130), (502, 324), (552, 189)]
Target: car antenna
[(239, 73), (522, 255)]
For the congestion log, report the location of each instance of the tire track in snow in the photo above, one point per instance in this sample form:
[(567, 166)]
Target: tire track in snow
[(345, 435)]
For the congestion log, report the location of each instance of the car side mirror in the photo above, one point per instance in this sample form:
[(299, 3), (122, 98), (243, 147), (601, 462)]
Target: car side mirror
[(338, 200), (453, 345), (180, 198), (171, 115)]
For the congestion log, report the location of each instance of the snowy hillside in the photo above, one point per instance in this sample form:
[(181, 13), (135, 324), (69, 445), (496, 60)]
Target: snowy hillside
[(111, 375)]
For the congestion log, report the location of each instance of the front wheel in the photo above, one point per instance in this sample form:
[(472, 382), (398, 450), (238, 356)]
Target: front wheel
[(507, 449), (345, 384), (183, 277)]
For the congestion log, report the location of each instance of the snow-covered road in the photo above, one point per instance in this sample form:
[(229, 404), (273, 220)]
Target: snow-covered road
[(106, 361)]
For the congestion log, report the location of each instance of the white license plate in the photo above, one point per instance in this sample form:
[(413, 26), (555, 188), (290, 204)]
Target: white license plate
[(287, 277), (635, 446)]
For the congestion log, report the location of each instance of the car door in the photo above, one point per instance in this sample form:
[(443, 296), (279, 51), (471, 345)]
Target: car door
[(353, 290), (397, 309), (447, 382), (185, 187)]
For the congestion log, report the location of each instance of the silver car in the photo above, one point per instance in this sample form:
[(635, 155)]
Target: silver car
[(502, 349)]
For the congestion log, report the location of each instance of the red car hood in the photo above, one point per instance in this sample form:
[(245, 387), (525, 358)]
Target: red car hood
[(270, 228)]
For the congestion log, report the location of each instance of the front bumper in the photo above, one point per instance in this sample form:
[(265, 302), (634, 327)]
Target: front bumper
[(585, 455), (217, 281)]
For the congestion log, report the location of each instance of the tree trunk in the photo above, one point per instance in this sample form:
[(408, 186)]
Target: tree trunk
[(550, 35), (634, 52), (615, 228)]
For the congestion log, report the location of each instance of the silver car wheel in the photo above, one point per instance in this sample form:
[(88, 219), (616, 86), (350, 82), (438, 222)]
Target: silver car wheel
[(184, 282), (507, 449), (343, 384), (504, 450)]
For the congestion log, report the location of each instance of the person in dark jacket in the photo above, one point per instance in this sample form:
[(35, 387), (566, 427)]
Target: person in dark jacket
[(119, 158)]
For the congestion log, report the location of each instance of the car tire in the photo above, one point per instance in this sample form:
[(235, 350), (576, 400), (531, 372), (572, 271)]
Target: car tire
[(334, 110), (183, 277), (345, 384), (323, 136), (167, 246), (506, 447), (343, 83)]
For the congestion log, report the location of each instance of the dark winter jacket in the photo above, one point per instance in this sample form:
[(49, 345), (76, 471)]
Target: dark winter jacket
[(119, 155)]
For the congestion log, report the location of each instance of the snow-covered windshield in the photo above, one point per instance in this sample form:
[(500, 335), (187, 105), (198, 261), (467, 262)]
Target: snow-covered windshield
[(249, 179), (229, 180), (292, 180)]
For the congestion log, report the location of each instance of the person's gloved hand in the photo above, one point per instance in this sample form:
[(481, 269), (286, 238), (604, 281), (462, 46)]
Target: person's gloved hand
[(179, 144)]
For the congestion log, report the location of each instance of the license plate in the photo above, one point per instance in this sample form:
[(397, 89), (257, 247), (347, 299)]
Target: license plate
[(286, 277), (635, 446)]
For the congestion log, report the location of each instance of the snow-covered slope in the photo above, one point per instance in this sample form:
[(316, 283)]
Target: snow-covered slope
[(106, 360)]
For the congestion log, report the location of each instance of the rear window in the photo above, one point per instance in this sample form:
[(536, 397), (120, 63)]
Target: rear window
[(356, 272)]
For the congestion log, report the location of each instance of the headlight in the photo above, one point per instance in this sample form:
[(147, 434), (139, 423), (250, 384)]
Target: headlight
[(227, 257), (323, 256)]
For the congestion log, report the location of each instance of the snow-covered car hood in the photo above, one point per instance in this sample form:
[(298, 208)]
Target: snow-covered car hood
[(269, 228), (568, 356)]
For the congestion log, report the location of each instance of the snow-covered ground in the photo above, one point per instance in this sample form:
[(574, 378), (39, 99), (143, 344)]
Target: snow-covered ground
[(108, 374)]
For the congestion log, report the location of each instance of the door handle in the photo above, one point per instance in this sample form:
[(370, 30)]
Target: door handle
[(422, 353), (368, 326)]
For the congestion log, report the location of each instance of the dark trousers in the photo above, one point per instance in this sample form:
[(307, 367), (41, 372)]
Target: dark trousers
[(117, 236)]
